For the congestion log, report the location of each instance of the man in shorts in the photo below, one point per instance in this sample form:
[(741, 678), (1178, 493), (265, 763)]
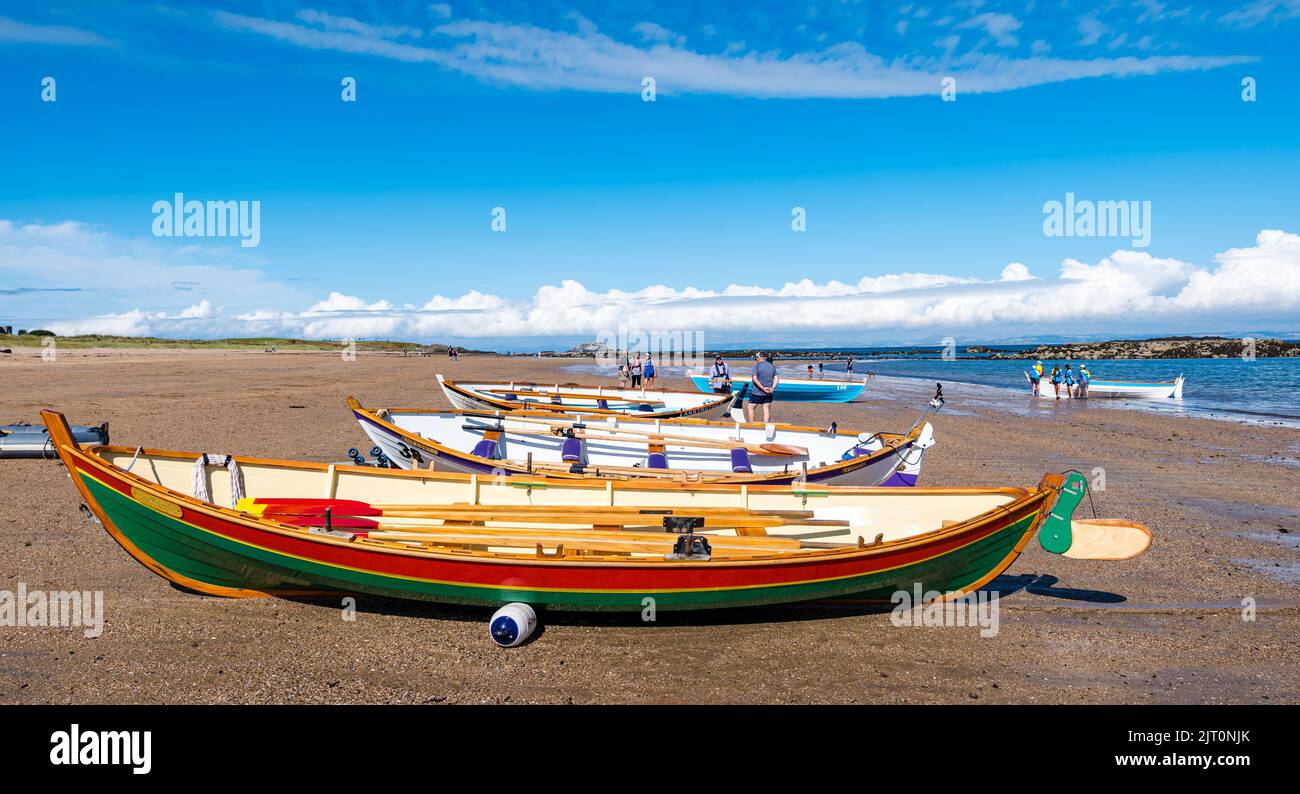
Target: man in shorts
[(762, 385)]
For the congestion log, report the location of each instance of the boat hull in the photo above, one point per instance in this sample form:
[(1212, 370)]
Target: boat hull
[(622, 401), (215, 554), (1132, 390), (227, 552), (798, 389), (405, 450)]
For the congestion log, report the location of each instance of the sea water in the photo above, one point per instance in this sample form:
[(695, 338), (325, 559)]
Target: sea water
[(1262, 390)]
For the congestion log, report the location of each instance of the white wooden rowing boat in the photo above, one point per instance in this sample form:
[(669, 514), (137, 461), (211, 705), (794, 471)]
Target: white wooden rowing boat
[(531, 443), (574, 398), (1134, 390)]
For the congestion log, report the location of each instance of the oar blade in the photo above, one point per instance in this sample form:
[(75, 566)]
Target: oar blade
[(1108, 539)]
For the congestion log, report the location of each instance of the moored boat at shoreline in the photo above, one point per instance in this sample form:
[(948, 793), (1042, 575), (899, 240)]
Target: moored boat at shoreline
[(576, 398), (1131, 389), (295, 528), (791, 389), (696, 450)]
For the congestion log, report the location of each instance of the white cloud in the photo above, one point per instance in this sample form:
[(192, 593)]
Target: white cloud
[(1245, 288), (1259, 11), (999, 27), (588, 60), (1016, 271), (1091, 29), (350, 25), (16, 32), (79, 269)]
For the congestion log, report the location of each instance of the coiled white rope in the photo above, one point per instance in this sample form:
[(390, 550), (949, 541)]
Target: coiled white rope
[(201, 477)]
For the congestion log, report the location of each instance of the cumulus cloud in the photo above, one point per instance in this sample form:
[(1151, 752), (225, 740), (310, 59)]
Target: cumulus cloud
[(1244, 289), (77, 267), (587, 60), (1016, 271)]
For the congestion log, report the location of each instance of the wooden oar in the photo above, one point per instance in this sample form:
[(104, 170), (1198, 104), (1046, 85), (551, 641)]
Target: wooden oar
[(596, 545), (526, 515), (609, 508), (774, 450), (577, 396), (607, 534), (1107, 539), (770, 449), (583, 427), (351, 507), (524, 536)]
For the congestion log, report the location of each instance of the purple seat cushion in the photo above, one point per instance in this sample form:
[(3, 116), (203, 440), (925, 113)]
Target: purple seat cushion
[(740, 461), (657, 460), (487, 448), (572, 450)]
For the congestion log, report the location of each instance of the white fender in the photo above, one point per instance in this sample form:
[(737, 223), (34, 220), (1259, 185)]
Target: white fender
[(512, 624)]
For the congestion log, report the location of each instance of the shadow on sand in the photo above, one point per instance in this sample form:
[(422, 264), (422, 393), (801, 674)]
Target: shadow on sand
[(1041, 585)]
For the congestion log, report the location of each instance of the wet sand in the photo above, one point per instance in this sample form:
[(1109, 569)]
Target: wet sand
[(1220, 497)]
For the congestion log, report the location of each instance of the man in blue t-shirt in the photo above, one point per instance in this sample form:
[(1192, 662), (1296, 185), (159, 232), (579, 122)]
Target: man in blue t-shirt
[(761, 387)]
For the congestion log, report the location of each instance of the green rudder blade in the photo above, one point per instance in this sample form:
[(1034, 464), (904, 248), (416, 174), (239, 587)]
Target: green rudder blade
[(1055, 535)]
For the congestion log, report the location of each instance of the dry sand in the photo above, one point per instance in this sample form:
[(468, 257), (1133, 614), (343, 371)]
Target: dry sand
[(1220, 497)]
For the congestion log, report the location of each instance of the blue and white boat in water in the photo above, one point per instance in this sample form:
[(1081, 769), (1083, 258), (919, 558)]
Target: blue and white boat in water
[(794, 389), (1132, 389)]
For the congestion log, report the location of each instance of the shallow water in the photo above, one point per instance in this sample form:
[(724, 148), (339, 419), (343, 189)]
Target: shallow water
[(1262, 391)]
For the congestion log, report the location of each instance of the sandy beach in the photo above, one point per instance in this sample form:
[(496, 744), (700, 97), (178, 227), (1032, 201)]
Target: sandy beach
[(1167, 627)]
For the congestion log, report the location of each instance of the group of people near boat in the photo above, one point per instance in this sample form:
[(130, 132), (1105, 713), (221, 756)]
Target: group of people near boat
[(1075, 383), (638, 373)]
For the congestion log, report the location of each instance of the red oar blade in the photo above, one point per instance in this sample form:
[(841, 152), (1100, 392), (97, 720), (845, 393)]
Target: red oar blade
[(344, 506), (319, 510), (344, 522)]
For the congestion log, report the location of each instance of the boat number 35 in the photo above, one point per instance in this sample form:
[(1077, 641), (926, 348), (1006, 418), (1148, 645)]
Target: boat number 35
[(410, 454)]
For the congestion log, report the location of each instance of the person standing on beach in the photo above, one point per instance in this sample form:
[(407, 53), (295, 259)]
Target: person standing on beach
[(1035, 376), (810, 372), (1085, 377), (720, 376), (762, 385), (1069, 382), (1056, 379), (649, 371), (821, 369), (635, 371), (848, 366)]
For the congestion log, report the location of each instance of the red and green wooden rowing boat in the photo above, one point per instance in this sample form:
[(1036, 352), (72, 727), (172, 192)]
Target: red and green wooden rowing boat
[(296, 527)]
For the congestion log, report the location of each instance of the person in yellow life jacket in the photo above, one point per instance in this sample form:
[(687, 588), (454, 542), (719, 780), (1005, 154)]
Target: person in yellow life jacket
[(1085, 378), (1035, 375)]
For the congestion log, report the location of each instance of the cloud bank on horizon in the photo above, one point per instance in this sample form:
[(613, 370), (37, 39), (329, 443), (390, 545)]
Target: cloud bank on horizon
[(1247, 288)]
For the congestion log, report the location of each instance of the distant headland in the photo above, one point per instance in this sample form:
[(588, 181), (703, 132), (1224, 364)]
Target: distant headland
[(1161, 347)]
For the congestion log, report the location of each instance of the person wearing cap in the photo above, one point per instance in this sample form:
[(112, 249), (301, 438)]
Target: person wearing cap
[(762, 385), (720, 376), (1035, 376), (1085, 377)]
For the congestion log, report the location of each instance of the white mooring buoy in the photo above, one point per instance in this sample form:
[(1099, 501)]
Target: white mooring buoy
[(512, 624)]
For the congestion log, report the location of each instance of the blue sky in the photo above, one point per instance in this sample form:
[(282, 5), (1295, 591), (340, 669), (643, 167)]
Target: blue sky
[(376, 215)]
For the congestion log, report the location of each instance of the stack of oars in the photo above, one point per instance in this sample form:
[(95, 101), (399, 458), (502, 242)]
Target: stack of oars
[(630, 434), (602, 530)]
